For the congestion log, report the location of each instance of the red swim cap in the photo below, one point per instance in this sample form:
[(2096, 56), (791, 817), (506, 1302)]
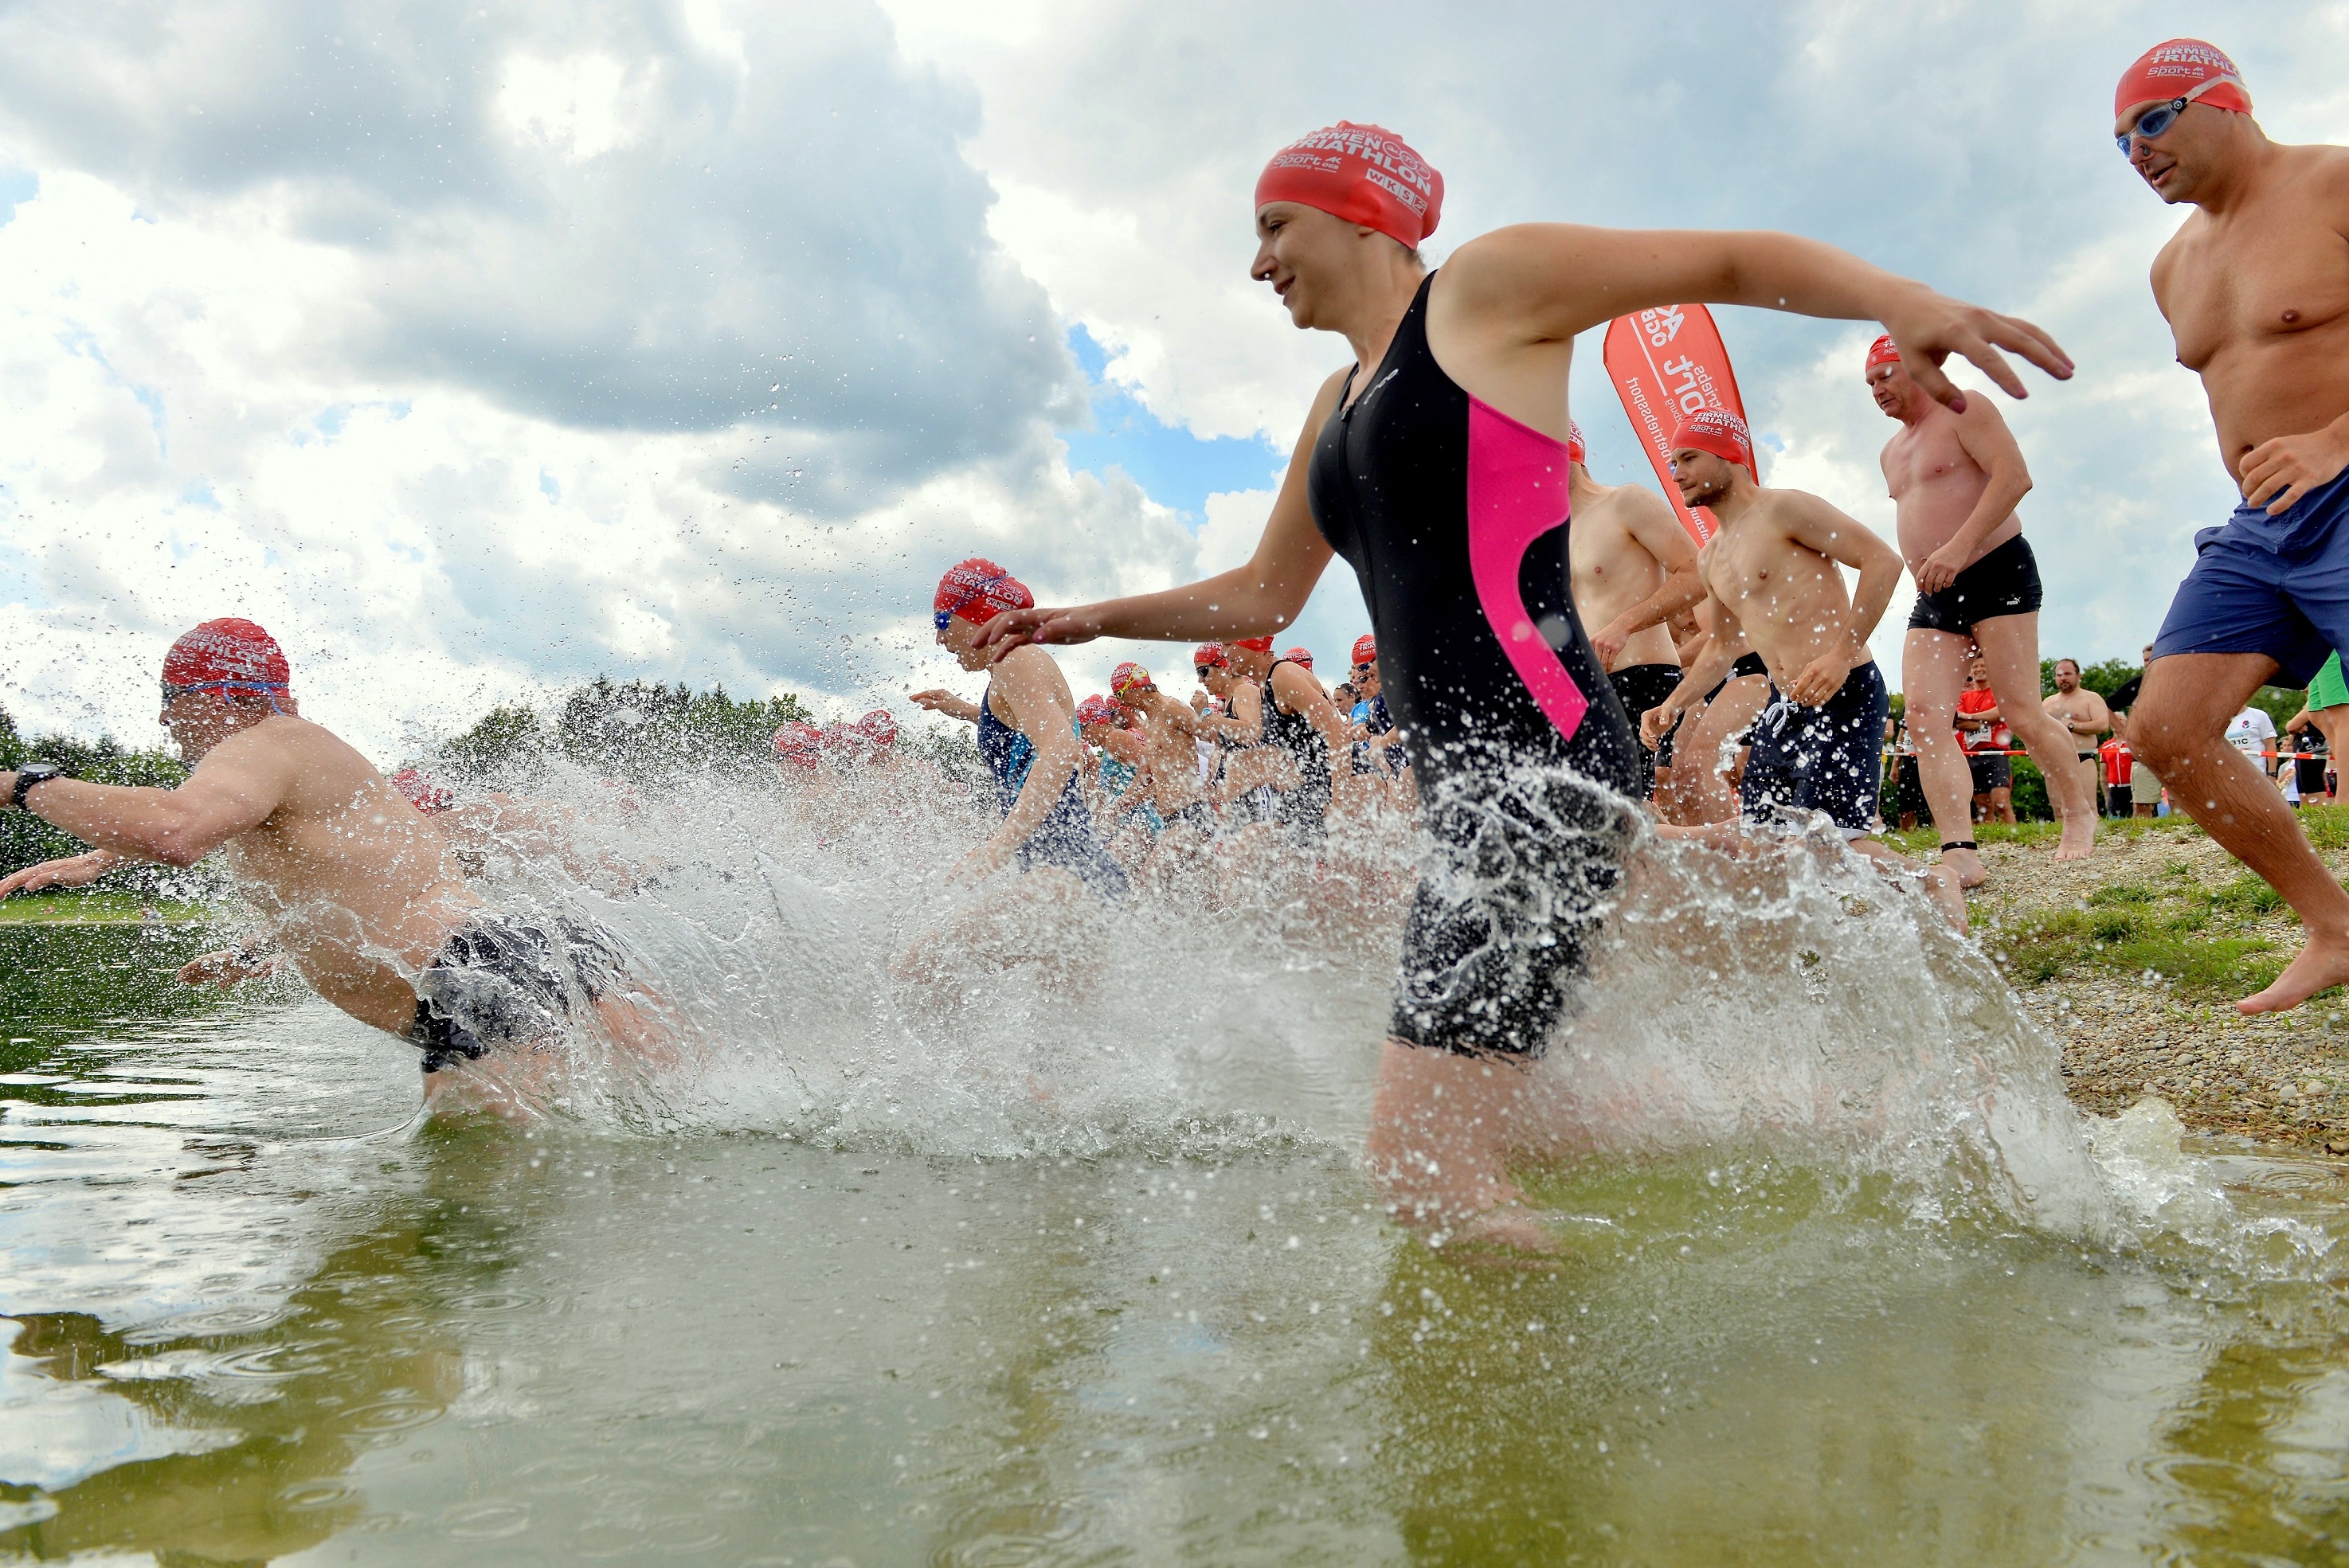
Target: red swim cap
[(1254, 644), (422, 791), (879, 727), (1576, 450), (1299, 656), (230, 651), (1362, 173), (799, 743), (979, 589), (1130, 676), (1883, 350), (1718, 431), (1099, 709), (1209, 656), (1366, 649), (2181, 68)]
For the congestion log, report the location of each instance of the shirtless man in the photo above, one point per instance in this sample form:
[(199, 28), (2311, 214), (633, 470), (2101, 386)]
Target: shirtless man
[(2082, 712), (1634, 567), (1955, 479), (358, 889), (1170, 752), (2255, 287), (1771, 576)]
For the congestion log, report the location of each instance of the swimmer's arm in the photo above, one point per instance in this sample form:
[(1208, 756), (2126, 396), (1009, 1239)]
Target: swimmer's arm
[(233, 790), (1553, 280), (1847, 540), (1048, 719), (1304, 695), (939, 700), (1263, 596), (1658, 529), (1244, 729), (70, 871), (1987, 441), (1712, 668)]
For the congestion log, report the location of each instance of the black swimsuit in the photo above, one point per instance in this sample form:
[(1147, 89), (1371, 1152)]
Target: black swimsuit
[(1306, 808), (1454, 516)]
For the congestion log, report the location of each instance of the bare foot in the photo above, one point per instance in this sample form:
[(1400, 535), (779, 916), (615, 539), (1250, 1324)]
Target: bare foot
[(1966, 866), (1505, 1235), (2079, 837), (2321, 965), (1948, 897)]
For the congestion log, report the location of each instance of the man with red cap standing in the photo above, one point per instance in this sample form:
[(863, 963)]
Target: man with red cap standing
[(358, 888), (1955, 478), (1435, 462), (1634, 569), (2255, 287)]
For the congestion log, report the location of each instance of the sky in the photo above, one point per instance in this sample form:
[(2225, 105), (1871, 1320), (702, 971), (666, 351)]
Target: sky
[(476, 351)]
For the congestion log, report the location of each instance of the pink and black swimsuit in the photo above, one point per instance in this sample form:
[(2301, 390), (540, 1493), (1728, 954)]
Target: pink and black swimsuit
[(1454, 516)]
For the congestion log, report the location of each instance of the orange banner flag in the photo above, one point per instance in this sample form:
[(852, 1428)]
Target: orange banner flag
[(1666, 364)]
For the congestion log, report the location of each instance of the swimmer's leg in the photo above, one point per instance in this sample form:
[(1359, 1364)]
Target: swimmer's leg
[(2010, 647), (1939, 882), (1933, 673), (1441, 1126)]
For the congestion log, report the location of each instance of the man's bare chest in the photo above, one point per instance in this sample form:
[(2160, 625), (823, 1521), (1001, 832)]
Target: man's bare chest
[(2266, 277)]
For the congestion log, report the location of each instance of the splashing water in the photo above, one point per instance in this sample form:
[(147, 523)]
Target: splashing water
[(1791, 1002)]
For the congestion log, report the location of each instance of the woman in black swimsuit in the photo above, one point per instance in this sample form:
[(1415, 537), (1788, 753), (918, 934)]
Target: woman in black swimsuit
[(1436, 464)]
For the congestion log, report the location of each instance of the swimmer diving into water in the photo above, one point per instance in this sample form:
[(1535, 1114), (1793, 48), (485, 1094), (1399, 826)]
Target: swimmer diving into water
[(361, 890), (1436, 464)]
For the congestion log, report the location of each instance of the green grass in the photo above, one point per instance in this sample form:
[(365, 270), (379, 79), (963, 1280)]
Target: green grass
[(1922, 838), (2207, 943), (96, 909)]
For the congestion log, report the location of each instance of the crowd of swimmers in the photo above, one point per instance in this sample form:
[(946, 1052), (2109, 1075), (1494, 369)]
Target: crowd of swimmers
[(1559, 696)]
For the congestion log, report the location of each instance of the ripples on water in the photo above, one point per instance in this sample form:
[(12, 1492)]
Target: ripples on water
[(1065, 1254)]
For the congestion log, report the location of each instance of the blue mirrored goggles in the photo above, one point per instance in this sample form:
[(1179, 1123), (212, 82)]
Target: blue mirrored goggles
[(939, 618), (2160, 118)]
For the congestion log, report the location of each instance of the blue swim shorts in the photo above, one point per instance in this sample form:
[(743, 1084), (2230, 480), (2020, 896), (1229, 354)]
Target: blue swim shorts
[(2272, 586)]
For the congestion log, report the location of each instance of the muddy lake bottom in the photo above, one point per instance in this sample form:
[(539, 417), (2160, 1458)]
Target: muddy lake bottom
[(252, 1314)]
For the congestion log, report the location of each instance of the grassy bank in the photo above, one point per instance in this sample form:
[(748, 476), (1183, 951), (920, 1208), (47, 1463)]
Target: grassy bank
[(98, 909)]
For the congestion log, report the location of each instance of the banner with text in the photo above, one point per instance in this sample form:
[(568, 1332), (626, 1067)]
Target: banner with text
[(1667, 364)]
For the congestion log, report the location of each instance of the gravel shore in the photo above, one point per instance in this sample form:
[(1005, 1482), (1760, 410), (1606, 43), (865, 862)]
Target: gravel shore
[(2281, 1078)]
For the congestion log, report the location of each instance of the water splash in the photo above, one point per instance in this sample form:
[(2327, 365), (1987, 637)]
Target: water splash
[(1794, 1002)]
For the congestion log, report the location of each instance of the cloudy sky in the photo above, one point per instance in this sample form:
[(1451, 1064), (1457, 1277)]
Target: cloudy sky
[(478, 350)]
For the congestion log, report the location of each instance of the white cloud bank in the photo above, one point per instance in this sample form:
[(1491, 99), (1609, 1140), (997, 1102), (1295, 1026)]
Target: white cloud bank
[(479, 349)]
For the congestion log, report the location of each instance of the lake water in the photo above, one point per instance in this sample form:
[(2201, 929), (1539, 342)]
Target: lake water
[(1077, 1264)]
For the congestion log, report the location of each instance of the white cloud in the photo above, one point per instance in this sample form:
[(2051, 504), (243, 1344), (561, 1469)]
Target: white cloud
[(479, 349)]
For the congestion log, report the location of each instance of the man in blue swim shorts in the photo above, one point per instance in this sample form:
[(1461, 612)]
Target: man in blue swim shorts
[(2255, 287)]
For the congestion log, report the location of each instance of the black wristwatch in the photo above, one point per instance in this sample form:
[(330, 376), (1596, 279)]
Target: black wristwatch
[(30, 774)]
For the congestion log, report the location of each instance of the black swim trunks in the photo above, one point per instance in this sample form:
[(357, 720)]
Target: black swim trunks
[(1641, 687), (1991, 770), (500, 981), (1195, 815), (1454, 517), (2004, 581), (1822, 758)]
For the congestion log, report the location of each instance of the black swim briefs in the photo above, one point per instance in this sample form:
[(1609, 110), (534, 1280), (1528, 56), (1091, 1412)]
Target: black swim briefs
[(1990, 770), (2004, 581), (500, 981)]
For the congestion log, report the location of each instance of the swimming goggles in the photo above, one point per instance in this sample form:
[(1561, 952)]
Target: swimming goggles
[(2160, 118), (173, 693)]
